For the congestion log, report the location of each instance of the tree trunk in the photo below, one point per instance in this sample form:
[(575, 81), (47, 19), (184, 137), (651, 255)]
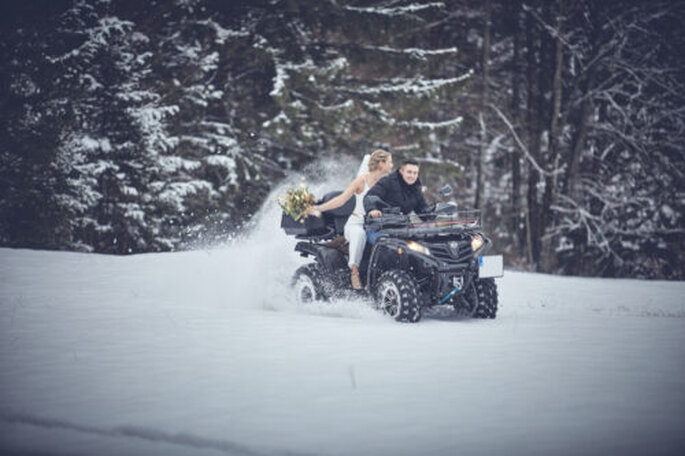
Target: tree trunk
[(587, 106), (553, 156), (517, 216), (571, 177), (483, 106), (532, 114)]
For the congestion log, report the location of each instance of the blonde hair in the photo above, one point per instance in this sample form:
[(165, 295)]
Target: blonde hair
[(377, 157)]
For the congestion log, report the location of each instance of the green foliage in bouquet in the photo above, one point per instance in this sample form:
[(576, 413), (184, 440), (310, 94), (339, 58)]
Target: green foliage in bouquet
[(296, 202)]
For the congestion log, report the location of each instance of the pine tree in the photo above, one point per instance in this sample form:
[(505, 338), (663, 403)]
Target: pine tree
[(32, 125), (110, 147), (334, 97)]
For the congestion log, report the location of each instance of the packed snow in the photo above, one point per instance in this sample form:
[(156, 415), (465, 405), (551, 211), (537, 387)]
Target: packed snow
[(204, 353)]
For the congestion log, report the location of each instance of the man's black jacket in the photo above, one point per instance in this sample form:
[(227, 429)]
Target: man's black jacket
[(395, 192)]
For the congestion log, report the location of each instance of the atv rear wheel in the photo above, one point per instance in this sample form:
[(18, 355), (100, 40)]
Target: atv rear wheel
[(479, 299), (308, 284), (397, 294)]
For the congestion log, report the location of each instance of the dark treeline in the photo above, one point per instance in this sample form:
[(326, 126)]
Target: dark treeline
[(145, 126)]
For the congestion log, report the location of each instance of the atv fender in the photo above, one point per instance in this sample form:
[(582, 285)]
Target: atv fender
[(330, 259), (385, 257)]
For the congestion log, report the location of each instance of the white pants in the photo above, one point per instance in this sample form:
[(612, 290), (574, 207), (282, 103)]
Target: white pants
[(356, 236)]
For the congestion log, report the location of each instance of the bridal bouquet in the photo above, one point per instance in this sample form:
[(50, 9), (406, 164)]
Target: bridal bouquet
[(296, 201)]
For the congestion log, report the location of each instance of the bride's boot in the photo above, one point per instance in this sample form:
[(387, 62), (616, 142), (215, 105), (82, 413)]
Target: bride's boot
[(354, 278)]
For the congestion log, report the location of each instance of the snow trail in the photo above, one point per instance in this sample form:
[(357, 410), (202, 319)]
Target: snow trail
[(263, 261), (151, 435)]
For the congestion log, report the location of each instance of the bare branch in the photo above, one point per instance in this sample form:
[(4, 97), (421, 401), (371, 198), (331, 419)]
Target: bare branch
[(523, 147)]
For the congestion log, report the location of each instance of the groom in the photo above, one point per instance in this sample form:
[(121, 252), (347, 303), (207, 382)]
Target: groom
[(399, 189)]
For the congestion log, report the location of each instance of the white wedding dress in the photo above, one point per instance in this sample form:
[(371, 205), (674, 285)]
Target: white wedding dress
[(354, 228)]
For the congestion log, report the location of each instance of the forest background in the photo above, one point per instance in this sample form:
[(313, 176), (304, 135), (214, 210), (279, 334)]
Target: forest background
[(131, 127)]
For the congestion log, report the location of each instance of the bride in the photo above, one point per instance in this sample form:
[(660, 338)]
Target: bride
[(380, 164)]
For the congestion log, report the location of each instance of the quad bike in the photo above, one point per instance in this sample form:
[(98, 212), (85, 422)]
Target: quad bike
[(417, 261)]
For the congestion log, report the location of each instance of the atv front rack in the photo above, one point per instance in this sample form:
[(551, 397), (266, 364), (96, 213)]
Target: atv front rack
[(424, 225)]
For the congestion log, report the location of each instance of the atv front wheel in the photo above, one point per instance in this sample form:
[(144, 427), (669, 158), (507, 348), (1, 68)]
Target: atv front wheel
[(308, 284), (480, 299), (397, 294)]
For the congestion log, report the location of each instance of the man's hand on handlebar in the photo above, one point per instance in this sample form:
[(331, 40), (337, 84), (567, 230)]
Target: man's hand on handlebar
[(375, 213)]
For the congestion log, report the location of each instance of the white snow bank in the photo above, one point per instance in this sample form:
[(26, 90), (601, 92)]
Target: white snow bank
[(202, 353)]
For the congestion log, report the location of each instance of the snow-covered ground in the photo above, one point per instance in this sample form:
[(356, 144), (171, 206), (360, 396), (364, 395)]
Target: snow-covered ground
[(203, 353)]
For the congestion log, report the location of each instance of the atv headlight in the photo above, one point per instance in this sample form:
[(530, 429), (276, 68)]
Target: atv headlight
[(416, 247), (477, 242)]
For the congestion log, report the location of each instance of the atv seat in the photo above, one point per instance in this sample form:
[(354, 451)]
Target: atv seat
[(336, 218)]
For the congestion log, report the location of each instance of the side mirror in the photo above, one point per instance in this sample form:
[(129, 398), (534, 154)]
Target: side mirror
[(446, 191)]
